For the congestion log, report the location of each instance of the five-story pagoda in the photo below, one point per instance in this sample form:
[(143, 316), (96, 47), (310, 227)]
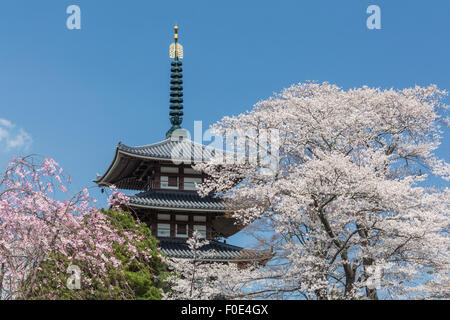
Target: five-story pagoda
[(168, 202)]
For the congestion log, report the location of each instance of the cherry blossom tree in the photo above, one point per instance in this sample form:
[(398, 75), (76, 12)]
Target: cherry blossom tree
[(350, 206), (36, 228)]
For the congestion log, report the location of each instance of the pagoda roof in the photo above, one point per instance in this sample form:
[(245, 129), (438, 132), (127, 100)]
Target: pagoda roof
[(176, 149), (214, 251), (176, 200)]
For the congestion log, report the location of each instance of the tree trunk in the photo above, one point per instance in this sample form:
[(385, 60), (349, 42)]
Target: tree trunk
[(349, 271), (2, 275), (371, 293)]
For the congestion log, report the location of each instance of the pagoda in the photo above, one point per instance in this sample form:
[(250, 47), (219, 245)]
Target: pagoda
[(168, 201)]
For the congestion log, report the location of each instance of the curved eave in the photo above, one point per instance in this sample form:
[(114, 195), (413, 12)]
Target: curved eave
[(214, 251), (141, 206), (263, 258), (235, 260), (103, 180), (113, 164)]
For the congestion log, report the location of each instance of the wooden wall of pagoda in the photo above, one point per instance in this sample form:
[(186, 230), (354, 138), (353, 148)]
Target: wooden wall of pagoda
[(150, 217)]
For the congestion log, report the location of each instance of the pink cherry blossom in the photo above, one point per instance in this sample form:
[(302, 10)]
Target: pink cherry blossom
[(35, 220)]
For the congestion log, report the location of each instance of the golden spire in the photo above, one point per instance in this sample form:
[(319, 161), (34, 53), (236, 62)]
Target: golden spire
[(178, 53), (175, 36)]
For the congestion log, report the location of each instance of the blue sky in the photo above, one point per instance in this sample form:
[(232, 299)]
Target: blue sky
[(74, 94)]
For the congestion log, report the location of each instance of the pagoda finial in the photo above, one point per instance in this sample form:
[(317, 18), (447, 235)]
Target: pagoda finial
[(176, 84)]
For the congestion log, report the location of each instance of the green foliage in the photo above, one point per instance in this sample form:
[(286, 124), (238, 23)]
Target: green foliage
[(139, 276)]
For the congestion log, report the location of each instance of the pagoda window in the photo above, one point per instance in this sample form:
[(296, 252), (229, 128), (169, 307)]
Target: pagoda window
[(164, 230), (190, 183), (181, 230), (168, 182), (191, 171), (181, 217), (169, 169), (199, 218), (200, 229), (164, 216)]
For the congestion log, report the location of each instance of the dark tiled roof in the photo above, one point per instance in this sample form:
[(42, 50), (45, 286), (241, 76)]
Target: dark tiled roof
[(214, 251), (176, 199), (170, 149), (177, 149)]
